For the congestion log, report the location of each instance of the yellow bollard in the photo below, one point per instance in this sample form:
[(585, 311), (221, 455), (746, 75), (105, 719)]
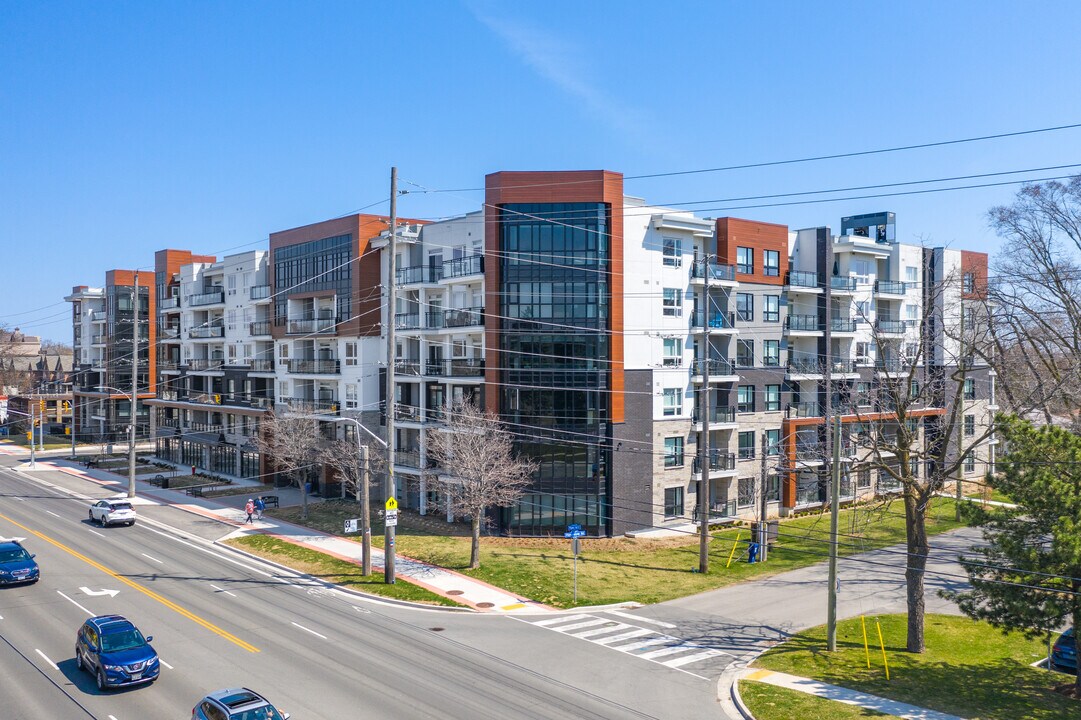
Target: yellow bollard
[(883, 644), (733, 553), (866, 649)]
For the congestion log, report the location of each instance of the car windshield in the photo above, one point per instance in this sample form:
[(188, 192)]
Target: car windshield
[(266, 712), (16, 555), (121, 506), (122, 640)]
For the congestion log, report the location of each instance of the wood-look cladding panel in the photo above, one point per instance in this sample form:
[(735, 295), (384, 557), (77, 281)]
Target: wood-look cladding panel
[(553, 187), (736, 232), (975, 263)]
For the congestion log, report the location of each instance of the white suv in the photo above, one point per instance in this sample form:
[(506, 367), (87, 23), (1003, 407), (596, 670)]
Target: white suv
[(112, 512)]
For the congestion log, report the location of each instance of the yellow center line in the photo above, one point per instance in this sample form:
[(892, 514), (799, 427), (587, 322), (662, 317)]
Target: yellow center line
[(145, 591)]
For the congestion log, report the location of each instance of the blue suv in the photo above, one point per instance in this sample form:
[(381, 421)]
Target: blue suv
[(1064, 654), (112, 649), (16, 565)]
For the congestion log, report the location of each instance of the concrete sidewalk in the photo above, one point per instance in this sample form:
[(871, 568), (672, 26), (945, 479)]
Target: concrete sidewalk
[(463, 589), (844, 695)]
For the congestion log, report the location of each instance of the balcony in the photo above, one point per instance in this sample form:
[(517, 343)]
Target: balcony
[(463, 367), (322, 406), (307, 366), (203, 364), (205, 398), (259, 292), (213, 331), (213, 297), (717, 416), (168, 366), (889, 287), (311, 326), (804, 410), (810, 451), (434, 320), (843, 367), (407, 413), (259, 327), (842, 325), (165, 333), (264, 366), (717, 320), (702, 270), (464, 317), (463, 267), (802, 279), (97, 340), (169, 303), (891, 366), (718, 461), (890, 327), (418, 275), (804, 366), (802, 323), (98, 316), (407, 367), (716, 367), (407, 321), (843, 285)]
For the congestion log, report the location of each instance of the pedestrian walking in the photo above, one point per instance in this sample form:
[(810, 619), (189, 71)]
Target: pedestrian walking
[(249, 508), (260, 506)]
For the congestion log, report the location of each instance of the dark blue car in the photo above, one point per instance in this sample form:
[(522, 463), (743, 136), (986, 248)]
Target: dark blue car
[(112, 649), (1064, 653), (16, 565)]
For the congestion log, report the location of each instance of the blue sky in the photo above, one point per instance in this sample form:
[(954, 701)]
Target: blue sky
[(126, 127)]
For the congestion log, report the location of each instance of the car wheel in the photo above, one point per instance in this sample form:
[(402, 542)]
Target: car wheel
[(79, 660), (90, 514), (131, 523), (101, 680)]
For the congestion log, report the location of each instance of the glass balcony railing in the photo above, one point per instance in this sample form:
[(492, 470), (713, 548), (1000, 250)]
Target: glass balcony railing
[(212, 297), (259, 292), (463, 267), (802, 278), (804, 410), (199, 364), (717, 461), (843, 284), (464, 317), (168, 303), (309, 326), (319, 406), (804, 366), (261, 365), (213, 331), (805, 323), (313, 367), (407, 321), (719, 415), (717, 367), (890, 327), (842, 325), (703, 269), (418, 274), (889, 287), (407, 367), (717, 320), (259, 327)]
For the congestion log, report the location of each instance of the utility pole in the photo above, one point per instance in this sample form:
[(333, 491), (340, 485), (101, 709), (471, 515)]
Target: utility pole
[(41, 432), (703, 437), (392, 300), (365, 513), (134, 383), (763, 517), (33, 456), (835, 501), (958, 403), (71, 424)]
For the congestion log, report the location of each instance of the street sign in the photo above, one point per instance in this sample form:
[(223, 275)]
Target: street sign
[(351, 525), (391, 518), (574, 531), (392, 504), (572, 528)]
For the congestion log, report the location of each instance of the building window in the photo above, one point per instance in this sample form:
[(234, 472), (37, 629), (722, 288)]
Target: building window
[(912, 274), (350, 353), (912, 314), (746, 445), (745, 353), (773, 397), (863, 478), (773, 442), (745, 260), (771, 308), (673, 452), (913, 389), (968, 283), (673, 252), (970, 388), (771, 263), (673, 401), (744, 307), (863, 394), (673, 302), (673, 502), (745, 494), (350, 396), (771, 353), (970, 425), (673, 352), (914, 467), (970, 463), (745, 398)]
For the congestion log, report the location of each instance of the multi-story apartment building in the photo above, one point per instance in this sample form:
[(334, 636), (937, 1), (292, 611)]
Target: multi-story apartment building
[(215, 359), (104, 322)]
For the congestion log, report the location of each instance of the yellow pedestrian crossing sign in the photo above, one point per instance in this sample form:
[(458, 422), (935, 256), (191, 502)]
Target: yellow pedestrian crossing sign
[(392, 504)]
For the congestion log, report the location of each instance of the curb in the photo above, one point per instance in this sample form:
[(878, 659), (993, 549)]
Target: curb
[(731, 676)]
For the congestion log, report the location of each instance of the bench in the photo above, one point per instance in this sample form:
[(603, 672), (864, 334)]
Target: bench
[(91, 463), (271, 500)]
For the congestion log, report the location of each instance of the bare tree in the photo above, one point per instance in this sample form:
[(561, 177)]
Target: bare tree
[(480, 469), (294, 445), (344, 456)]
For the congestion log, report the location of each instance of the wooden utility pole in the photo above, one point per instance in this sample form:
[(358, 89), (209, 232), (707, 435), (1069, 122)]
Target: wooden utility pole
[(835, 501), (958, 403), (392, 301)]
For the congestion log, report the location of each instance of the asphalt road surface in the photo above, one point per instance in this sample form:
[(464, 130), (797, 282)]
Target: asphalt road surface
[(221, 620)]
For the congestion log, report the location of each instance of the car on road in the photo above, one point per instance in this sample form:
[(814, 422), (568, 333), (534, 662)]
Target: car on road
[(236, 704), (112, 649), (16, 565), (1064, 653), (112, 512)]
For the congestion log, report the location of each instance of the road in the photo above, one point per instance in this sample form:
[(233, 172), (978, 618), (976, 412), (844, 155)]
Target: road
[(219, 619)]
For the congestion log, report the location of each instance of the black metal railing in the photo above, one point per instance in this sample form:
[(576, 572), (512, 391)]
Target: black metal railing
[(261, 365), (462, 367), (418, 274), (323, 406), (719, 320), (205, 363), (716, 367), (803, 322), (802, 278), (464, 317), (804, 366), (843, 284), (308, 326), (407, 321), (462, 267), (890, 287), (717, 461), (311, 366), (259, 327), (407, 367), (890, 327), (804, 410), (718, 415)]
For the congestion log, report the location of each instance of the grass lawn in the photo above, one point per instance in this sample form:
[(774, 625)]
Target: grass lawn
[(767, 702), (968, 669), (996, 495), (623, 569), (333, 570), (249, 490)]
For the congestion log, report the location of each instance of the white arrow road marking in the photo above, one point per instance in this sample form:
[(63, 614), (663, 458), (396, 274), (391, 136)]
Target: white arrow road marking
[(221, 590), (152, 558), (97, 593), (358, 609), (46, 658), (311, 631), (75, 603)]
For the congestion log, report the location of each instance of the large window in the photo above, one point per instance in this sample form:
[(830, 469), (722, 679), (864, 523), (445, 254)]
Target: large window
[(773, 442), (773, 397), (771, 263), (970, 388), (673, 251), (673, 502), (744, 307), (745, 260), (970, 462), (746, 492), (313, 266), (771, 308), (673, 352), (970, 425), (771, 353), (673, 302), (745, 398), (912, 274), (745, 353), (746, 445), (968, 283), (673, 452), (673, 401)]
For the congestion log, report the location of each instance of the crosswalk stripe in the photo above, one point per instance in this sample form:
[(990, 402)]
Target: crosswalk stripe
[(556, 621), (688, 659), (601, 631), (671, 650), (640, 618), (624, 636), (576, 626), (645, 643)]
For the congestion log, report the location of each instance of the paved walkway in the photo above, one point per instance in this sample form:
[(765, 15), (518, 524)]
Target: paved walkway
[(228, 510), (846, 696)]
